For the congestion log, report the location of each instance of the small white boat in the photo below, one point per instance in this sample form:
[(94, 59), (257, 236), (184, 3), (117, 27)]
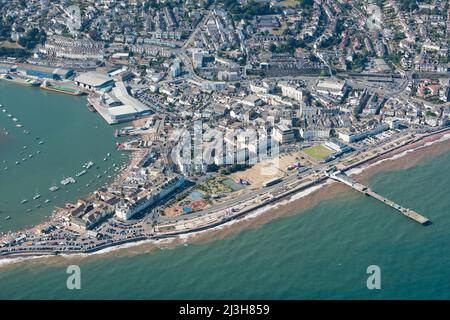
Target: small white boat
[(79, 174), (67, 181)]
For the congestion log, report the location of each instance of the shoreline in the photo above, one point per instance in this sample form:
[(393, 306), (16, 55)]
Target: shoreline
[(403, 157)]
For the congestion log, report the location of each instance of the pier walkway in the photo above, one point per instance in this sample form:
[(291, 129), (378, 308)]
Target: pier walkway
[(341, 177)]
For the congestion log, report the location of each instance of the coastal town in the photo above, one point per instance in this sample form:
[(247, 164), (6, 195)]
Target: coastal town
[(226, 107)]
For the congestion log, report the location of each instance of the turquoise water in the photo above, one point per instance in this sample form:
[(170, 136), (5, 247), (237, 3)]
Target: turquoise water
[(322, 253), (196, 196), (72, 136)]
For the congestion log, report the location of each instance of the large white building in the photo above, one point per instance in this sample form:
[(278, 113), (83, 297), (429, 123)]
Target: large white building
[(330, 87), (291, 92), (352, 135), (132, 206), (130, 108), (283, 134), (315, 133), (94, 81)]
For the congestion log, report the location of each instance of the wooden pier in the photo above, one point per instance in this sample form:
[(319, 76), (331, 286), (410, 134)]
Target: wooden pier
[(341, 177)]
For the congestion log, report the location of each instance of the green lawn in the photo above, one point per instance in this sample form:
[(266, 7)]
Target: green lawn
[(318, 152)]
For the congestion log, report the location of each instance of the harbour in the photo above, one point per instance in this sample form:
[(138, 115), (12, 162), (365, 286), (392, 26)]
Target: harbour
[(40, 159), (45, 85), (20, 80)]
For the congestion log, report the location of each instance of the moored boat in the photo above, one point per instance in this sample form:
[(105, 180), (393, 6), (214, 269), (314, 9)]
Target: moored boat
[(79, 174), (27, 82), (57, 88), (53, 188)]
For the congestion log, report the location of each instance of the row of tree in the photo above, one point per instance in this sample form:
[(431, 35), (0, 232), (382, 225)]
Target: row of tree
[(32, 38)]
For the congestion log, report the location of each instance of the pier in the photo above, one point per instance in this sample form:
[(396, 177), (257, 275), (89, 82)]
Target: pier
[(341, 177)]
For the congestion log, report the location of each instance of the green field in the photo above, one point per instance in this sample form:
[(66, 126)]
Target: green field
[(318, 152)]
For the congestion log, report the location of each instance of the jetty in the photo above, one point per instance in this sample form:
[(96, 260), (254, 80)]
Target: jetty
[(342, 177)]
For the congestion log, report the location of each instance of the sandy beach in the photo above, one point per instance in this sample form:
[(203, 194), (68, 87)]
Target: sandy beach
[(402, 158)]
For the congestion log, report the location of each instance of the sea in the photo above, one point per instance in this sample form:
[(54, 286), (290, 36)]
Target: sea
[(58, 136), (324, 252)]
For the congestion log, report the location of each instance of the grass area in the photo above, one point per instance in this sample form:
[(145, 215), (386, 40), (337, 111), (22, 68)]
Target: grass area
[(289, 3), (214, 186), (318, 153), (280, 31), (166, 229), (10, 45)]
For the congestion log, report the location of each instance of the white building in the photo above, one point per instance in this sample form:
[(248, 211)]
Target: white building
[(130, 207), (329, 87), (315, 133), (283, 134), (352, 135), (260, 87), (176, 68), (291, 92), (94, 81), (228, 76)]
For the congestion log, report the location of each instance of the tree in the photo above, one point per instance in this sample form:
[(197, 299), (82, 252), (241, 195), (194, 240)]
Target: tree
[(5, 30), (94, 34), (32, 38)]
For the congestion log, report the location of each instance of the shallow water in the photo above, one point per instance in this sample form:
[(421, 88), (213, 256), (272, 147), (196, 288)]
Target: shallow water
[(72, 136)]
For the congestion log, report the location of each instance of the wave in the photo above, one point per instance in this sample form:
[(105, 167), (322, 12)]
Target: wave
[(358, 170)]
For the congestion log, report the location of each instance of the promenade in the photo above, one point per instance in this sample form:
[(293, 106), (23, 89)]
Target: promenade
[(115, 233)]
